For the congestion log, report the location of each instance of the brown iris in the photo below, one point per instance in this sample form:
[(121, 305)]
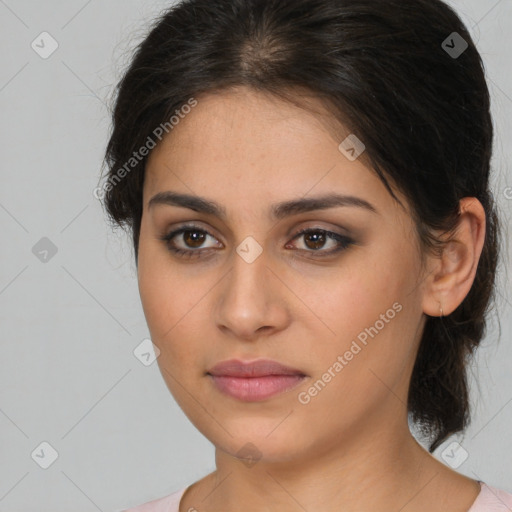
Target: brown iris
[(317, 238), (196, 240)]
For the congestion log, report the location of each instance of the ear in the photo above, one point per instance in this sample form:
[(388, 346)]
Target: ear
[(452, 273)]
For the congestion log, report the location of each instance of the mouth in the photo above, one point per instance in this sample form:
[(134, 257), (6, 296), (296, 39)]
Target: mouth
[(254, 381)]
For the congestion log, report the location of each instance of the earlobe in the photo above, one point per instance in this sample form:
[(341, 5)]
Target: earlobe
[(455, 268)]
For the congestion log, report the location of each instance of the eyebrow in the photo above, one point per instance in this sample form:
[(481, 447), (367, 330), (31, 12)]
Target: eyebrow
[(278, 210)]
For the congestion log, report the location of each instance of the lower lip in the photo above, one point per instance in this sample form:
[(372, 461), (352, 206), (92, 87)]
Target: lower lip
[(254, 389)]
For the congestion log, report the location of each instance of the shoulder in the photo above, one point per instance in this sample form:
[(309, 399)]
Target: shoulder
[(492, 499), (169, 503)]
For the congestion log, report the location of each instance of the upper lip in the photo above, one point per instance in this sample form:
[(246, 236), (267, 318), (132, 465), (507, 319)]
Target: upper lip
[(259, 368)]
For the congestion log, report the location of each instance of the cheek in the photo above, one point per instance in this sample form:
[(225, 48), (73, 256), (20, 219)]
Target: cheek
[(174, 308), (171, 309), (352, 298), (163, 292), (371, 311)]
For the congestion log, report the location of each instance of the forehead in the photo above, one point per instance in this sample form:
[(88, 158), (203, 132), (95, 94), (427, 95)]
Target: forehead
[(254, 146), (245, 121), (243, 125)]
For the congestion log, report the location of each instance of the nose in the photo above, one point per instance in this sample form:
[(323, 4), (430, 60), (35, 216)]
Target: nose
[(251, 300)]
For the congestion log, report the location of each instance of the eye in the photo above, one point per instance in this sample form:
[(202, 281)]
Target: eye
[(193, 237), (316, 238)]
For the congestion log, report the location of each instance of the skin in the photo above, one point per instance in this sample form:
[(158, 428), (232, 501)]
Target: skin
[(350, 447)]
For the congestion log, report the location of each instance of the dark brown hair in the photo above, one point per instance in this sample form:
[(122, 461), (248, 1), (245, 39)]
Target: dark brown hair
[(394, 74)]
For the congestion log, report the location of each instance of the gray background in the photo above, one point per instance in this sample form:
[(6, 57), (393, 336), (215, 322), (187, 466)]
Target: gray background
[(69, 325)]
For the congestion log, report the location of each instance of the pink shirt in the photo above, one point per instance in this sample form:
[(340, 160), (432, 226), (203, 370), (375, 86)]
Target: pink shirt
[(490, 499)]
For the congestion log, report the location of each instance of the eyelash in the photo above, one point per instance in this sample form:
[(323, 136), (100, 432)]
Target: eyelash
[(344, 242)]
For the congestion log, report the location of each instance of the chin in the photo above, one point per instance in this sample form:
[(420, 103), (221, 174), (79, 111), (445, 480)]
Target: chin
[(252, 440), (257, 451)]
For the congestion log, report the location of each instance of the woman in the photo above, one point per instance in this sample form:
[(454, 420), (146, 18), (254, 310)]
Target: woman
[(307, 186)]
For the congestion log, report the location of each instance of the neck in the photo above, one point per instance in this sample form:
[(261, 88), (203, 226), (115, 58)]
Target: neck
[(378, 469)]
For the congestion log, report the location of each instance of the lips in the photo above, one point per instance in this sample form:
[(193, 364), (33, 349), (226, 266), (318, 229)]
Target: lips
[(254, 381), (260, 368)]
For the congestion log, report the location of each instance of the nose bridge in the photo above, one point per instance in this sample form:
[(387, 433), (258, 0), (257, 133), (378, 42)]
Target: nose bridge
[(249, 274), (249, 298)]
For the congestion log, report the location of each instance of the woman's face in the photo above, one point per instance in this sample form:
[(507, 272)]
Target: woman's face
[(346, 313)]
